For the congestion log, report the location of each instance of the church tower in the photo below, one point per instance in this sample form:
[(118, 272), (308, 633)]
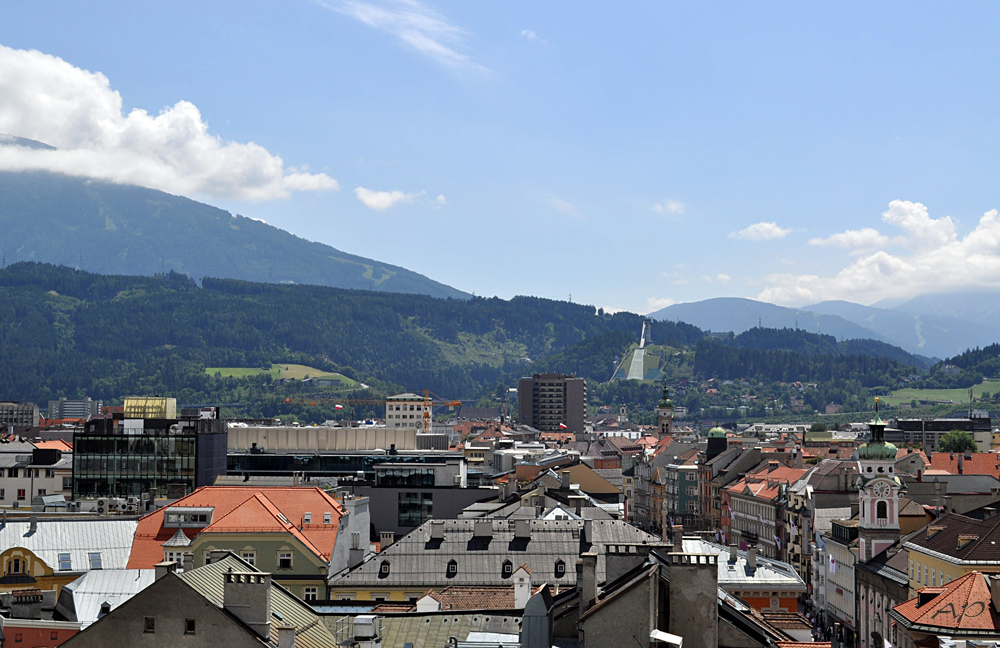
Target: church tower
[(878, 499), (665, 412)]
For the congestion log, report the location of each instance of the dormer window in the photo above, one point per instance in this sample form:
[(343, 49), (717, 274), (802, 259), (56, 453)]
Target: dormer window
[(560, 569), (506, 569), (326, 518), (383, 569), (452, 568), (308, 518)]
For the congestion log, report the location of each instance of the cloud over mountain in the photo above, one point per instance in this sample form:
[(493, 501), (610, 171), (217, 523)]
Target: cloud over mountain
[(48, 99), (927, 256)]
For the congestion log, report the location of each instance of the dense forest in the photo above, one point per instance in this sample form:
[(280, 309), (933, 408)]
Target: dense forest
[(965, 370), (70, 333)]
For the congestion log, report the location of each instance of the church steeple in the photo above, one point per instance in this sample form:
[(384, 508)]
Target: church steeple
[(665, 412), (878, 499)]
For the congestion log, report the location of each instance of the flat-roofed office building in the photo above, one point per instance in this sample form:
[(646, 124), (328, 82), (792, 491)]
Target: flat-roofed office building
[(547, 400)]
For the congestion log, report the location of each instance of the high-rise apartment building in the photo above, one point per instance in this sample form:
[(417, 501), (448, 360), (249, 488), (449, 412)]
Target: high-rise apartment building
[(73, 409), (18, 415), (547, 400)]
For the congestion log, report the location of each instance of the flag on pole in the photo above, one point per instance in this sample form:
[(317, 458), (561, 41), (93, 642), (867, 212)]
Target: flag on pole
[(563, 426), (833, 565), (338, 407)]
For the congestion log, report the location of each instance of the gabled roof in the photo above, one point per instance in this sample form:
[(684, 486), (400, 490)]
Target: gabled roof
[(262, 515), (417, 560), (311, 632), (962, 606), (81, 600), (978, 463), (111, 537), (981, 538)]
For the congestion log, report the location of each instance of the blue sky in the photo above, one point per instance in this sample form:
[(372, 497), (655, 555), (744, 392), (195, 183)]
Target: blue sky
[(630, 156)]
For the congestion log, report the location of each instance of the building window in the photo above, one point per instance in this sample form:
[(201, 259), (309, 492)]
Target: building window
[(383, 569), (345, 596), (560, 569), (284, 560), (41, 491), (415, 508), (65, 562), (309, 593), (250, 557), (307, 518), (881, 511), (12, 472), (326, 518), (149, 624), (50, 473), (54, 636), (452, 568), (21, 496), (17, 566), (3, 495), (507, 569), (95, 560), (189, 626), (380, 598), (18, 637)]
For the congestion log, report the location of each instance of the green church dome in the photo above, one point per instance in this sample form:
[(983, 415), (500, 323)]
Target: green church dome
[(716, 433), (877, 448), (665, 400)]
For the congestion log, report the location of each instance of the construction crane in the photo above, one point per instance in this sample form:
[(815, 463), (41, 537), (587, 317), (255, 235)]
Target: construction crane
[(429, 404)]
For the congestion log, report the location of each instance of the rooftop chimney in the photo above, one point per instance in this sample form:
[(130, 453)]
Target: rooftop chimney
[(588, 590), (386, 538), (522, 588), (678, 534), (437, 529), (565, 479), (522, 528), (34, 523), (752, 559), (248, 596), (732, 553), (286, 636), (164, 568), (961, 464), (356, 554), (483, 529)]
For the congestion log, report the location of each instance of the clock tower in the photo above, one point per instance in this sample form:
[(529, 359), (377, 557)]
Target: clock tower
[(878, 499), (665, 413)]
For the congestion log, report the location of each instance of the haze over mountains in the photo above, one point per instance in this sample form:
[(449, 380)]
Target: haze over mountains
[(937, 326), (125, 229)]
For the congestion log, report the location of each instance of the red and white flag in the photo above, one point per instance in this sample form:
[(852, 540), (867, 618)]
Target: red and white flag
[(338, 407), (563, 426)]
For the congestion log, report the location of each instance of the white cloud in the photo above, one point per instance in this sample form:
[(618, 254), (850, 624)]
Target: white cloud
[(934, 259), (383, 200), (47, 99), (440, 200), (723, 278), (656, 303), (529, 34), (760, 232), (565, 207), (859, 239), (416, 25), (669, 208)]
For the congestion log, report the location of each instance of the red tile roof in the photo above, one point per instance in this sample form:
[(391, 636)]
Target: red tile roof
[(245, 510), (54, 444), (963, 604), (978, 463)]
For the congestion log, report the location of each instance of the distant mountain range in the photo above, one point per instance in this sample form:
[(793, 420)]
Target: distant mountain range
[(128, 230), (932, 326)]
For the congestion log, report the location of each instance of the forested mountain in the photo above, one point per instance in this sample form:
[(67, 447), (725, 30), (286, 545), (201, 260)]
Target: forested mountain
[(966, 369), (812, 344), (125, 229), (66, 332)]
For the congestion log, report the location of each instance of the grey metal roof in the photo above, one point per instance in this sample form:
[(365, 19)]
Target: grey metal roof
[(769, 573), (285, 609), (111, 537), (419, 562), (435, 629), (81, 600)]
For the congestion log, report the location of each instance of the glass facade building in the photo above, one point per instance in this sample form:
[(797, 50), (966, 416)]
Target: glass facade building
[(119, 457)]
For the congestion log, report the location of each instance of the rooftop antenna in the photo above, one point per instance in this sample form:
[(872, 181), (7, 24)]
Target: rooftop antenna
[(758, 323), (571, 298)]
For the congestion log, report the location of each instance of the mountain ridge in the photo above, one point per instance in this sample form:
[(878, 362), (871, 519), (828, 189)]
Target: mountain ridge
[(120, 229)]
